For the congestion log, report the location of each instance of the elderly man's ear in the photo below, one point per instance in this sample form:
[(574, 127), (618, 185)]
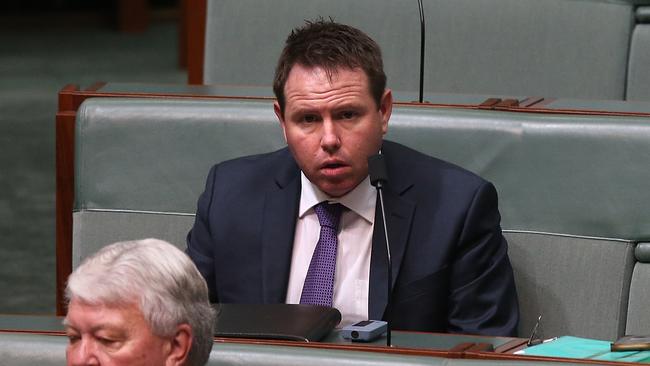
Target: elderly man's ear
[(180, 345)]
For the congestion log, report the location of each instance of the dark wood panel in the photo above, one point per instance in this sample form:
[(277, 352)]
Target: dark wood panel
[(65, 122), (196, 11)]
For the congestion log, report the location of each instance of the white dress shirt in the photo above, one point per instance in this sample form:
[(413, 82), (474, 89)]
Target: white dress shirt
[(351, 279)]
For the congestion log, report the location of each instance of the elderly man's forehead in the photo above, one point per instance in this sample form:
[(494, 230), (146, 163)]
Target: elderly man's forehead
[(78, 309)]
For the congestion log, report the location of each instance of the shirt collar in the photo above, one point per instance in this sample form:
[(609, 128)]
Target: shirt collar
[(362, 199)]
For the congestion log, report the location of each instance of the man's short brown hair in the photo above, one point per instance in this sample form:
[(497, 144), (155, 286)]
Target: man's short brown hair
[(330, 45)]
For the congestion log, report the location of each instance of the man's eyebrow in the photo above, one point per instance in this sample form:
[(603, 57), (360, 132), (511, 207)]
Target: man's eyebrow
[(349, 105), (302, 111)]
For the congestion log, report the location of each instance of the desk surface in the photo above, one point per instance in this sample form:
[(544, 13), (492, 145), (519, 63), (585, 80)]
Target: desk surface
[(450, 346), (401, 340)]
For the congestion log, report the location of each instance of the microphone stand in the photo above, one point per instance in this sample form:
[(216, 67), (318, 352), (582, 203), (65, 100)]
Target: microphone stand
[(422, 47), (379, 176)]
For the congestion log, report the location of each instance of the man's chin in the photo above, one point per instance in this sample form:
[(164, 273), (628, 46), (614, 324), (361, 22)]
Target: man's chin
[(337, 189)]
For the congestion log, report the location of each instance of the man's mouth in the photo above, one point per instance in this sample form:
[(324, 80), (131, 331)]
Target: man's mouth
[(332, 168), (333, 165)]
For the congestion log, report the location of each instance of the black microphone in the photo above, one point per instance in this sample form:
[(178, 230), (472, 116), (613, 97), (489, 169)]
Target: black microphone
[(378, 178), (377, 171)]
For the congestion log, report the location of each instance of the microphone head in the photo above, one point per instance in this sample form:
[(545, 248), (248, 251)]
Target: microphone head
[(377, 170)]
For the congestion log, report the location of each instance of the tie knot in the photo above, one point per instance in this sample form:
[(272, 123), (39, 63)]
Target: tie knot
[(328, 214)]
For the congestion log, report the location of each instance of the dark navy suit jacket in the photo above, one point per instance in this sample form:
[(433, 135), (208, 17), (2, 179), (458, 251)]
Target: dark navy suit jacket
[(450, 265)]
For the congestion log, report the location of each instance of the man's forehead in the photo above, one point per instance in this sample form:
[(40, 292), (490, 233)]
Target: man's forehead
[(102, 315), (331, 72)]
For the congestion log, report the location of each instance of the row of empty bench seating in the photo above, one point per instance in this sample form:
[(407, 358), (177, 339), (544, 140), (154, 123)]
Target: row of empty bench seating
[(587, 49)]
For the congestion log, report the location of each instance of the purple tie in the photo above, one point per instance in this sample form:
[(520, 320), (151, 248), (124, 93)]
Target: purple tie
[(319, 283)]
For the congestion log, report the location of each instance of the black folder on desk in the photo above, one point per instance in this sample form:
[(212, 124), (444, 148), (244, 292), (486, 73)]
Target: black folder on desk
[(304, 323)]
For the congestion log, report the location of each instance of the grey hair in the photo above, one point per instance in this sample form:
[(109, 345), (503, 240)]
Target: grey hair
[(160, 278)]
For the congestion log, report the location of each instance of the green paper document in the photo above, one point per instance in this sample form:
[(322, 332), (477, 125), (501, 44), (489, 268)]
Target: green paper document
[(574, 347)]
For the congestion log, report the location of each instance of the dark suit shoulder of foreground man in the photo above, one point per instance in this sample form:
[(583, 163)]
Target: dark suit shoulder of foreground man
[(450, 264)]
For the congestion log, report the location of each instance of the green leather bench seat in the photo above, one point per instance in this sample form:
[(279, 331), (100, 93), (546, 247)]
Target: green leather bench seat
[(573, 189), (551, 48), (32, 349)]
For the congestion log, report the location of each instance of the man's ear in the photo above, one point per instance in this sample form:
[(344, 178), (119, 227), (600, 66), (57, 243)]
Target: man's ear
[(280, 115), (385, 109), (181, 343)]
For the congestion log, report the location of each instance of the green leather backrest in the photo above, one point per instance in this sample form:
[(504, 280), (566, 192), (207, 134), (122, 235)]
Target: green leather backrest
[(552, 48), (573, 189), (244, 38), (578, 175)]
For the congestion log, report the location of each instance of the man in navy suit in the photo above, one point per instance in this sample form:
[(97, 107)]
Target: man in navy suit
[(256, 226)]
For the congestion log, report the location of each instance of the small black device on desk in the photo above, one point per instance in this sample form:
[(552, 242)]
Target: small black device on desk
[(364, 331)]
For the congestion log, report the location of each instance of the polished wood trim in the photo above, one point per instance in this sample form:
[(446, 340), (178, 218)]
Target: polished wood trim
[(65, 122), (512, 346), (489, 103), (481, 347), (507, 103), (462, 347), (71, 97), (65, 97), (36, 332), (196, 19)]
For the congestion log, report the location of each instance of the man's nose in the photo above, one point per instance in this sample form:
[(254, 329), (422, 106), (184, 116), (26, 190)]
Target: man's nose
[(330, 139), (82, 353)]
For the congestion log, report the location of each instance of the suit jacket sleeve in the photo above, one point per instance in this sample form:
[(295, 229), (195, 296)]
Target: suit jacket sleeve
[(483, 298), (199, 243)]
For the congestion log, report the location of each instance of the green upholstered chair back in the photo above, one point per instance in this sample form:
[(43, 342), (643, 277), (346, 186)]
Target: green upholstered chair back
[(573, 189), (638, 79), (552, 48)]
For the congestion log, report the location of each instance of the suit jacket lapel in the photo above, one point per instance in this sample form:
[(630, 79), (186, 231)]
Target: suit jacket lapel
[(278, 226), (399, 214)]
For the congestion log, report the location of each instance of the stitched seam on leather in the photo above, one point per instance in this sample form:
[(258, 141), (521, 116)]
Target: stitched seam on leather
[(108, 210), (569, 235)]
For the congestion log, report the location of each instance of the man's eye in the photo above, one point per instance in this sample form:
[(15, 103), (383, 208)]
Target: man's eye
[(310, 118), (72, 338), (107, 341), (348, 115)]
